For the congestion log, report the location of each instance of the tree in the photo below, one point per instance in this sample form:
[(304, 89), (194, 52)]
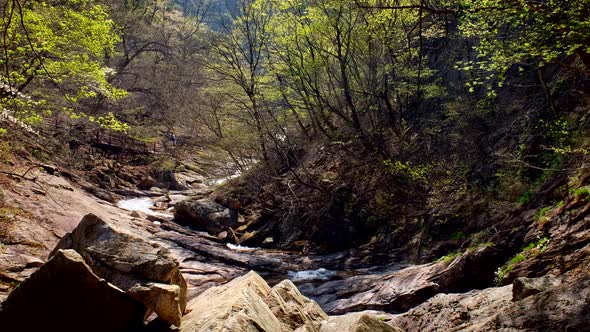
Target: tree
[(62, 43), (354, 67), (525, 34), (239, 52)]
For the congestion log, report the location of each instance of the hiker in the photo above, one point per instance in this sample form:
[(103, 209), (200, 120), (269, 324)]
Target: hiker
[(173, 138)]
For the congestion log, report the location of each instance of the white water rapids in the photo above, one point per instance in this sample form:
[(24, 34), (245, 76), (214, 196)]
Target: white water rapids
[(307, 275), (143, 205)]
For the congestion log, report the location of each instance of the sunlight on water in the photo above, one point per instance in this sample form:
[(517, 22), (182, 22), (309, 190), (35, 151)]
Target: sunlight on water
[(143, 205), (239, 247)]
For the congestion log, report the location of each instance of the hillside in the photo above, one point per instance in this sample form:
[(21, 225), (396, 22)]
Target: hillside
[(286, 165)]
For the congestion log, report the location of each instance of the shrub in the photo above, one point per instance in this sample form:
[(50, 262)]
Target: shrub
[(525, 197), (448, 258), (526, 252), (414, 173), (458, 236), (582, 194), (540, 215)]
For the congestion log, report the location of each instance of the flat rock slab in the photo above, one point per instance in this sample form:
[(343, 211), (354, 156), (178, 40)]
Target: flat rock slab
[(395, 291)]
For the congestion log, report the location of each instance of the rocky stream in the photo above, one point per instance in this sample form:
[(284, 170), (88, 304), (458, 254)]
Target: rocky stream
[(154, 260)]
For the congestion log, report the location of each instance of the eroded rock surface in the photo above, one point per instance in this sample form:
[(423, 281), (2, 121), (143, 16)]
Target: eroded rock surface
[(560, 307), (249, 304), (145, 270), (448, 312), (396, 291), (525, 287)]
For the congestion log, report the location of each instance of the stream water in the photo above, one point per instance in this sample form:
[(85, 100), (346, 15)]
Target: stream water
[(300, 271), (323, 278), (143, 204)]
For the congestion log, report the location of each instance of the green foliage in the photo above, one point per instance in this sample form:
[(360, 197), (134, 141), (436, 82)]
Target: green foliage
[(532, 249), (59, 41), (582, 194), (522, 34), (458, 236), (111, 122), (40, 154), (525, 197), (405, 169), (335, 60), (3, 131), (55, 44), (450, 257), (540, 215)]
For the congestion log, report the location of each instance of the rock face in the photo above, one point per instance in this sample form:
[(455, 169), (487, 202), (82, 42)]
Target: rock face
[(560, 307), (249, 304), (397, 291), (448, 312), (146, 271), (65, 295), (206, 215), (525, 287)]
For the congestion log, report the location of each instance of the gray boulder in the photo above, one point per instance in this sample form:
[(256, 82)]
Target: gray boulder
[(204, 214), (65, 295), (145, 270)]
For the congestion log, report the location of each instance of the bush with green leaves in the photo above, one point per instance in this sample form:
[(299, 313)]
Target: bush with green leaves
[(526, 252), (582, 194)]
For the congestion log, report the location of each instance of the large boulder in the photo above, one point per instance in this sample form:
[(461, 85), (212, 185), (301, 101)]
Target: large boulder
[(293, 309), (146, 183), (65, 295), (204, 214), (145, 270), (167, 179), (248, 303)]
